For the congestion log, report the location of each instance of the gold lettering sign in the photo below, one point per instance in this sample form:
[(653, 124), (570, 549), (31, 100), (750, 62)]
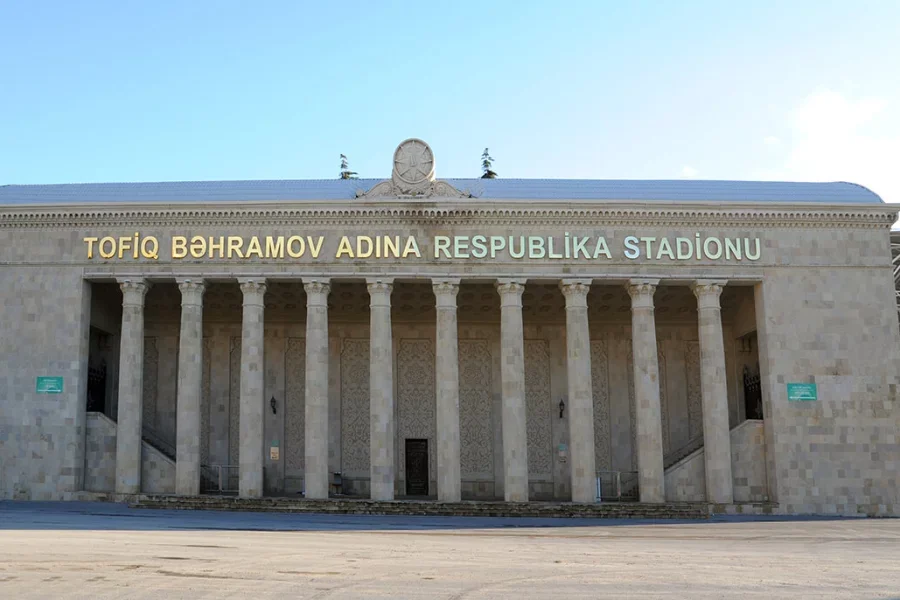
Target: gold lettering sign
[(568, 247)]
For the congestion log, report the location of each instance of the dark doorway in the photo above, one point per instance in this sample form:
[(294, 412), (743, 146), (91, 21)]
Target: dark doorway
[(752, 394), (416, 467)]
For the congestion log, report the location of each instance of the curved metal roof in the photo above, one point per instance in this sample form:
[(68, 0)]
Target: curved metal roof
[(602, 190)]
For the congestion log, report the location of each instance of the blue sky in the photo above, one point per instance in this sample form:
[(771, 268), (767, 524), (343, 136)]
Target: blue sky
[(167, 91)]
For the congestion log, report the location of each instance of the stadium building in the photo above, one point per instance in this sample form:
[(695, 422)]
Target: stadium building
[(723, 342)]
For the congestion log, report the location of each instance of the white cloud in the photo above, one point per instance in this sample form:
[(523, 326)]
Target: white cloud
[(835, 138), (688, 171), (771, 140)]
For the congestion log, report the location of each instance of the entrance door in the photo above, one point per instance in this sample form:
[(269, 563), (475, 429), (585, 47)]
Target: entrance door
[(416, 467)]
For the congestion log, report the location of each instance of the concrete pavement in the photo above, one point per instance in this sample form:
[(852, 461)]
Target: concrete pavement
[(97, 550)]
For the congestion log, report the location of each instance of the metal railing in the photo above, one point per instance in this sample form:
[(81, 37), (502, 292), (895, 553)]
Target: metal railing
[(617, 486), (219, 479)]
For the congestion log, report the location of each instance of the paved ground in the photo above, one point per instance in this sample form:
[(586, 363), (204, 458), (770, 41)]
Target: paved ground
[(76, 550)]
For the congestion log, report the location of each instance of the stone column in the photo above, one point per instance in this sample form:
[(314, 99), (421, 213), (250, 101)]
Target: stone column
[(446, 378), (714, 393), (190, 381), (250, 453), (512, 376), (581, 398), (381, 390), (315, 469), (648, 411), (131, 387)]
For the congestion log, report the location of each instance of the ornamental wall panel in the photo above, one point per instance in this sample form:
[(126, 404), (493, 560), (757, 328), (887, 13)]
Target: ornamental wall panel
[(416, 399), (355, 407), (477, 420), (234, 402), (695, 407), (538, 406), (295, 406), (150, 382), (663, 397), (600, 390), (205, 407)]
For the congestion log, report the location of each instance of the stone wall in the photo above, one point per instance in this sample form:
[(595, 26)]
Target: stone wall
[(832, 327), (157, 470), (825, 313), (686, 480), (44, 331)]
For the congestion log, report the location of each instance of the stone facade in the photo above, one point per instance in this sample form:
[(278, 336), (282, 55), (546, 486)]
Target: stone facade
[(157, 470), (288, 384)]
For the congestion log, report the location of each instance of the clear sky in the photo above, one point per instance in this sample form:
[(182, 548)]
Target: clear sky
[(191, 90)]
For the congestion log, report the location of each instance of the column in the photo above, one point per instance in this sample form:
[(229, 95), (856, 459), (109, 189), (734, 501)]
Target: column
[(131, 387), (648, 412), (381, 390), (446, 379), (315, 473), (581, 398), (190, 381), (714, 393), (512, 376), (250, 453)]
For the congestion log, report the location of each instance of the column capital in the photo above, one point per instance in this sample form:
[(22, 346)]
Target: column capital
[(317, 291), (510, 291), (445, 291), (575, 291), (641, 292), (254, 289), (133, 291), (191, 290), (707, 292), (380, 289)]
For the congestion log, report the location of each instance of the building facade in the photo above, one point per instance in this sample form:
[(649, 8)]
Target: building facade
[(723, 342)]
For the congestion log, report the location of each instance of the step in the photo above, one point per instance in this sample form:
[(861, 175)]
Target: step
[(611, 510)]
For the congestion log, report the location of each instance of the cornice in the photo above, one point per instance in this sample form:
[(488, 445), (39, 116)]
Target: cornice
[(523, 213)]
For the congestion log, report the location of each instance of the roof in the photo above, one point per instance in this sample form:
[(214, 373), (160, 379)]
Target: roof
[(602, 190)]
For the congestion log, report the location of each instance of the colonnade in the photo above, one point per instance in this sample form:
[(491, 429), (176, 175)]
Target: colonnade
[(382, 469)]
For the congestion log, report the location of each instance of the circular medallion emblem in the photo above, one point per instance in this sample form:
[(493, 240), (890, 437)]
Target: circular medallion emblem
[(414, 162)]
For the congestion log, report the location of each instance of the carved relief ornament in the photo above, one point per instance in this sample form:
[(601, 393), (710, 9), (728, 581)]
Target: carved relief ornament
[(412, 176)]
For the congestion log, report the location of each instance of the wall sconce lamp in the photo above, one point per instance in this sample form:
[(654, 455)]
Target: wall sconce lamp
[(274, 405), (562, 408)]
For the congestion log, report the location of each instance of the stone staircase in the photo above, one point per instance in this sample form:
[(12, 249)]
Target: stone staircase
[(675, 456), (608, 510)]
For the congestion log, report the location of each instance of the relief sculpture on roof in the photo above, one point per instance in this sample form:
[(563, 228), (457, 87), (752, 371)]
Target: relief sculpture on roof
[(413, 176)]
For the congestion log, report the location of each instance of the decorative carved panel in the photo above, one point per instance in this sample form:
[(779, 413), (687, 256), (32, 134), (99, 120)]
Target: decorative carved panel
[(151, 382), (416, 397), (663, 396), (476, 419), (632, 412), (600, 388), (295, 404), (204, 404), (355, 405), (538, 406), (695, 406), (234, 402)]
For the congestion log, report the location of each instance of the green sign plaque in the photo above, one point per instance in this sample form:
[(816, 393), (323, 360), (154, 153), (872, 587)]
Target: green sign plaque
[(49, 385), (802, 391)]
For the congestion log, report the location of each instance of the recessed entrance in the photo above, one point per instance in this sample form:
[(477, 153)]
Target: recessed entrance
[(416, 467)]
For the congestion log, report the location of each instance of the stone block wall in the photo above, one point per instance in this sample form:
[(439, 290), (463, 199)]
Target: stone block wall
[(686, 480), (157, 469), (836, 328), (44, 331), (100, 454)]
